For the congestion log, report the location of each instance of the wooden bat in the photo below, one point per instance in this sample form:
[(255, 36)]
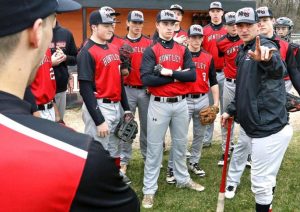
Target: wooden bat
[(221, 197)]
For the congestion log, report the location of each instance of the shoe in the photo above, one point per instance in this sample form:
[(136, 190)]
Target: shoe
[(206, 145), (249, 161), (221, 161), (188, 154), (230, 192), (148, 201), (232, 145), (123, 168), (125, 179), (194, 167), (192, 185), (170, 176)]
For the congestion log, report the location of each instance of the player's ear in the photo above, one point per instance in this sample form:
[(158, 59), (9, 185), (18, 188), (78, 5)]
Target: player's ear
[(36, 33)]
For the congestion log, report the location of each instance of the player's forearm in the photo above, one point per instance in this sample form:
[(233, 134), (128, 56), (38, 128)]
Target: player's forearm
[(86, 91), (185, 76), (215, 94)]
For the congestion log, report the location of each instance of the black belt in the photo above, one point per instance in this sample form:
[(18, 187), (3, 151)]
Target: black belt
[(219, 70), (195, 96), (231, 80), (45, 106), (135, 86), (169, 99), (108, 101)]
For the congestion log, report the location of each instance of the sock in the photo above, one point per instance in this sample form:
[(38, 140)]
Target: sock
[(262, 208)]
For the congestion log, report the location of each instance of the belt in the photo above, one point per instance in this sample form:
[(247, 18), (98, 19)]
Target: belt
[(219, 70), (45, 106), (169, 99), (108, 101), (195, 96), (135, 86), (231, 80)]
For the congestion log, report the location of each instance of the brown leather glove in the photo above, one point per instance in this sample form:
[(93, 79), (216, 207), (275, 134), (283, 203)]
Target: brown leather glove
[(208, 115)]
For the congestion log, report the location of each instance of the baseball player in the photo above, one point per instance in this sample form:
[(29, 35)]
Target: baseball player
[(180, 36), (100, 85), (266, 21), (63, 44), (49, 168), (197, 97), (167, 106), (212, 32), (227, 48), (135, 90), (259, 105), (284, 27), (44, 86)]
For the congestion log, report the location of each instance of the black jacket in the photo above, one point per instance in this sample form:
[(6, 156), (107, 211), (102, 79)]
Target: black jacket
[(63, 38), (259, 103)]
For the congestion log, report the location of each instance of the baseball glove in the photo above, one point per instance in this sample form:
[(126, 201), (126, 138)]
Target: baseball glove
[(292, 103), (208, 115), (127, 128), (125, 52)]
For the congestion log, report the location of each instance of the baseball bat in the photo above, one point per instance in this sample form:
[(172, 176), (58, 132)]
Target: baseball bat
[(221, 197)]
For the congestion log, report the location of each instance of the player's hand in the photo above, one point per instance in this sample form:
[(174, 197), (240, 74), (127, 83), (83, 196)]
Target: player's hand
[(103, 130), (224, 119), (57, 58), (180, 39), (128, 115), (166, 72), (261, 53)]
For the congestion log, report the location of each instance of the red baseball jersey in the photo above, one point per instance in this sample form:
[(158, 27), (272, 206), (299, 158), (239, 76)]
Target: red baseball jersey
[(44, 86), (202, 63), (228, 48), (101, 65), (139, 45), (117, 41), (171, 59), (211, 34), (284, 45), (180, 33)]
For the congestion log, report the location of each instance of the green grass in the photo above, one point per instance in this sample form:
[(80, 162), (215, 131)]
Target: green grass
[(170, 198)]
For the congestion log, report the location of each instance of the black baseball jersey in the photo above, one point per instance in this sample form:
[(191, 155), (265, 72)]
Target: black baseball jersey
[(47, 167), (63, 39)]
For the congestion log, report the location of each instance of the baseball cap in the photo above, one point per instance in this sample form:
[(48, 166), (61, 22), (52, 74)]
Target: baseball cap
[(166, 15), (109, 10), (246, 15), (264, 12), (229, 18), (101, 17), (177, 7), (195, 30), (136, 16), (17, 15), (215, 5), (67, 6)]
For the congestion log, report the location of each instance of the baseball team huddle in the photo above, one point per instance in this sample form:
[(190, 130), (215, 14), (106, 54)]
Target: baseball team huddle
[(242, 64)]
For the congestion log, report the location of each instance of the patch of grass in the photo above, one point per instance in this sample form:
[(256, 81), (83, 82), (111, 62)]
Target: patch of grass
[(170, 198)]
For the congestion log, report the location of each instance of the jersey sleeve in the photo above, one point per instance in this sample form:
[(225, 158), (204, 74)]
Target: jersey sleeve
[(101, 187), (86, 65)]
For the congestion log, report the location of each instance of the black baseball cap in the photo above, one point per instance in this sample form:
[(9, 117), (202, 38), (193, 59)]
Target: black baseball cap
[(195, 30), (177, 7), (215, 5), (101, 17), (67, 6), (136, 16), (17, 15), (246, 15), (229, 18), (166, 15), (109, 10), (264, 12)]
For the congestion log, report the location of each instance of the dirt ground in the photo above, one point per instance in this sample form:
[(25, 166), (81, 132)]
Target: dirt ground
[(73, 119)]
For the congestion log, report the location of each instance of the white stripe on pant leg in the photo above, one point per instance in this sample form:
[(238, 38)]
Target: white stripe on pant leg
[(267, 155)]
